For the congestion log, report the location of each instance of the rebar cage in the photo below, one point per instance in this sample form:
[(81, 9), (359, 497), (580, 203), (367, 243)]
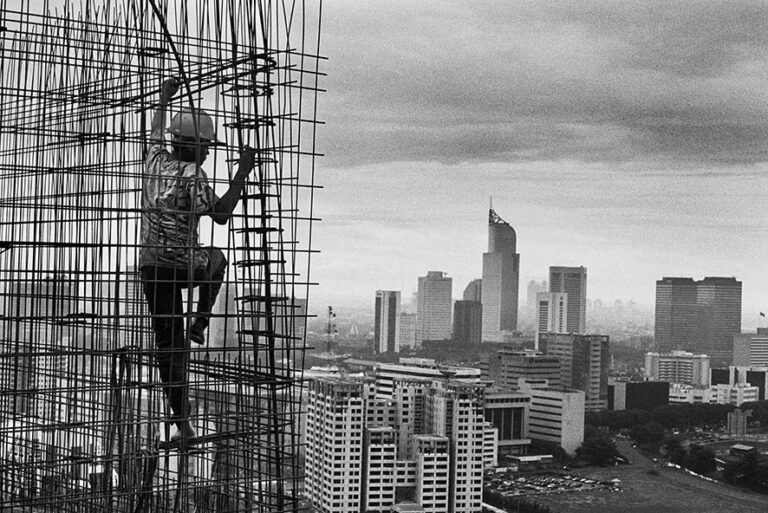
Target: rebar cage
[(83, 418)]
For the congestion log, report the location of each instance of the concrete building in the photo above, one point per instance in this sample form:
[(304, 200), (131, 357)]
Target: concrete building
[(733, 375), (551, 313), (386, 327), (509, 413), (468, 322), (423, 368), (643, 395), (474, 291), (501, 278), (737, 394), (751, 349), (379, 463), (408, 331), (556, 415), (432, 470), (584, 362), (434, 302), (572, 281), (699, 316), (532, 366), (678, 367), (490, 446)]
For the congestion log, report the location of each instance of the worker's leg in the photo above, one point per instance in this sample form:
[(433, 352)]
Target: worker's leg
[(162, 288), (209, 281)]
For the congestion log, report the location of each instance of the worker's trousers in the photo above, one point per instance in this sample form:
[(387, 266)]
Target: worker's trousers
[(162, 288)]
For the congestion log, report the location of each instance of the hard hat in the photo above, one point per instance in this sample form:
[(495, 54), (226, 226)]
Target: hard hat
[(183, 125)]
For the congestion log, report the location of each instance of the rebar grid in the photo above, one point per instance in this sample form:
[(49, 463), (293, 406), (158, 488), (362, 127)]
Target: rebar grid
[(83, 419)]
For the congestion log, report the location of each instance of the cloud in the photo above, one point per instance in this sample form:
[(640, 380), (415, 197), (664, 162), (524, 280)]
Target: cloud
[(525, 81)]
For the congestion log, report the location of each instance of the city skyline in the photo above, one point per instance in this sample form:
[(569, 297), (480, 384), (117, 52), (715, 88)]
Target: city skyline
[(623, 136)]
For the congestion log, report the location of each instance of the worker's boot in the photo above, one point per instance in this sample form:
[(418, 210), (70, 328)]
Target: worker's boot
[(184, 432)]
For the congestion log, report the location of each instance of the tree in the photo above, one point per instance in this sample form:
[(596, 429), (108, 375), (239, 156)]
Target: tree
[(699, 460), (675, 451), (598, 448), (648, 433)]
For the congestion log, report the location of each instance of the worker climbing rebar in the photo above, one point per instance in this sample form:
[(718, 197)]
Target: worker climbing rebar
[(175, 193)]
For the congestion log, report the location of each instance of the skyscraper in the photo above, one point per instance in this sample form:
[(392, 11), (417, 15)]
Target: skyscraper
[(584, 362), (433, 315), (501, 277), (572, 281), (386, 328), (474, 291), (551, 313), (698, 316), (468, 321)]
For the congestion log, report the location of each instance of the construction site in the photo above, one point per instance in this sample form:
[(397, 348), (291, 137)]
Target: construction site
[(85, 421)]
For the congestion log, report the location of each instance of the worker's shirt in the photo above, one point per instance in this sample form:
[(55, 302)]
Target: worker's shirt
[(174, 196)]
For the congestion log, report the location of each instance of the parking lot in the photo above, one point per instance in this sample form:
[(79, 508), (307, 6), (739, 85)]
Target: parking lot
[(516, 485)]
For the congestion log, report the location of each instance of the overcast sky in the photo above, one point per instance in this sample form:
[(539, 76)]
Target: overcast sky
[(628, 137)]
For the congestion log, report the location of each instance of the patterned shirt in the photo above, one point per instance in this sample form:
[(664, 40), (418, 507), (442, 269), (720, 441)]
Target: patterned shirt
[(174, 196)]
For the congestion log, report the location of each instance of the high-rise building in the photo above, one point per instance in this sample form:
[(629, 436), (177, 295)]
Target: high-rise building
[(501, 277), (386, 374), (678, 367), (551, 313), (433, 315), (556, 415), (530, 366), (584, 362), (408, 331), (751, 349), (474, 291), (433, 463), (534, 287), (386, 328), (468, 321), (700, 316), (572, 281), (718, 305)]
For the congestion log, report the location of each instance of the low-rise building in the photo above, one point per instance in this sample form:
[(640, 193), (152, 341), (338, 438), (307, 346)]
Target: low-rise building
[(556, 416), (678, 367)]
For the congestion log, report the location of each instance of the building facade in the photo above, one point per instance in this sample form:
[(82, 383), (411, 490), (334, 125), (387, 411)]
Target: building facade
[(551, 313), (530, 366), (678, 367), (386, 326), (468, 322), (434, 302), (556, 415), (572, 281), (642, 395), (584, 362), (509, 413), (501, 279), (474, 291), (408, 331), (751, 349)]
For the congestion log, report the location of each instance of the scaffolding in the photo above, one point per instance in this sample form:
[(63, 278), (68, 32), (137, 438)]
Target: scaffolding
[(84, 422)]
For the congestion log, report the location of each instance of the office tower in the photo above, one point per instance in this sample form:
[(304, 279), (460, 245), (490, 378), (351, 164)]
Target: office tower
[(751, 349), (718, 308), (433, 315), (584, 361), (509, 413), (572, 281), (699, 316), (407, 331), (334, 452), (386, 328), (501, 277), (675, 325), (534, 287), (556, 415), (551, 313), (455, 410), (468, 322), (474, 291), (530, 366), (678, 367)]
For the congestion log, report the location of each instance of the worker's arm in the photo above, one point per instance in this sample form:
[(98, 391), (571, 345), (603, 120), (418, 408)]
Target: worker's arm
[(223, 208), (170, 87)]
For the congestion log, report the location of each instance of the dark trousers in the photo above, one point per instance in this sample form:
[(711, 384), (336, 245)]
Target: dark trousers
[(162, 288)]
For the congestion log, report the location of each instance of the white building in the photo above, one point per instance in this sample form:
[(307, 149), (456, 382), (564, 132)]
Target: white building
[(551, 313), (734, 394), (556, 416), (433, 309), (490, 446), (425, 368), (386, 326), (678, 367), (680, 393), (379, 463), (751, 349), (432, 470)]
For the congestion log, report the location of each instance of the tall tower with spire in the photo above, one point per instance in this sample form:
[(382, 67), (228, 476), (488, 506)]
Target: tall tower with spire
[(501, 278)]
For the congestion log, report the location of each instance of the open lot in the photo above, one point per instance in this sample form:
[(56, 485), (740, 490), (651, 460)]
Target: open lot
[(519, 485), (650, 488)]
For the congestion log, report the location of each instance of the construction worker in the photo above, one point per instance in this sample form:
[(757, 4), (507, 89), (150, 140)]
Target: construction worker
[(175, 193)]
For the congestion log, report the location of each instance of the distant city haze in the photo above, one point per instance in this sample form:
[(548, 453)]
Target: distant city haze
[(628, 138)]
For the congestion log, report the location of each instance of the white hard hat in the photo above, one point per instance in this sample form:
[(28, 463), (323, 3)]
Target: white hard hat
[(183, 125)]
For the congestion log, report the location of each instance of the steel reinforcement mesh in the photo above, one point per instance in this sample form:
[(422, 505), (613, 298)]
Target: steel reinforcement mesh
[(84, 422)]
